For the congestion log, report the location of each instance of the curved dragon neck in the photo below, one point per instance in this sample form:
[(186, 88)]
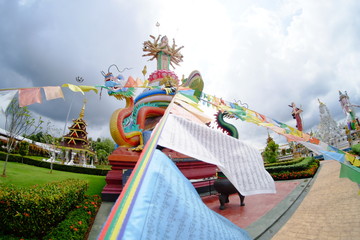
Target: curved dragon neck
[(129, 103), (227, 127)]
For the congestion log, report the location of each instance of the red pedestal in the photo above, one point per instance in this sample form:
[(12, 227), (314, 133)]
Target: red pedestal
[(122, 159), (119, 160)]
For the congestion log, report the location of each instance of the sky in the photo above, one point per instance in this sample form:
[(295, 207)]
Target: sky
[(263, 53)]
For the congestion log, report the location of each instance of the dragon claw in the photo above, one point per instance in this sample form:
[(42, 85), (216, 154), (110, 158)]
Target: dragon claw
[(137, 149)]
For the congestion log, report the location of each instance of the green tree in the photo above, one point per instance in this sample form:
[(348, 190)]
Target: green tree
[(18, 122), (102, 156), (270, 153), (38, 137), (103, 148), (24, 149)]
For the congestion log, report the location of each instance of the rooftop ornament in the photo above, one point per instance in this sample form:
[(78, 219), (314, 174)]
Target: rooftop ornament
[(166, 55)]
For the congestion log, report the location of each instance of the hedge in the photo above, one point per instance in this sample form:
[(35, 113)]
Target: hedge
[(300, 166), (282, 163), (32, 211), (78, 222), (306, 173), (60, 167)]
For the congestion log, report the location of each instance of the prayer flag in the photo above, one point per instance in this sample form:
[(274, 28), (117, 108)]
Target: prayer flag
[(53, 92), (80, 88), (5, 98), (73, 88), (88, 88), (167, 206), (139, 83), (130, 82), (177, 110), (350, 172), (28, 96), (241, 163)]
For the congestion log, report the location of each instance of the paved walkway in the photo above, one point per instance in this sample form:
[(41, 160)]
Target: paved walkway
[(331, 209)]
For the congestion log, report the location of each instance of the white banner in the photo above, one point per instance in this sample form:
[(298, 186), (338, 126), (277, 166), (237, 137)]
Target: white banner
[(241, 163)]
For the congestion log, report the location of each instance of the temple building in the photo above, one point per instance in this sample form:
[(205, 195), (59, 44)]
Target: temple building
[(329, 130), (76, 144)]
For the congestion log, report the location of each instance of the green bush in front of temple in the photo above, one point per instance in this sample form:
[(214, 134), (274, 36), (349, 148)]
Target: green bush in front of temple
[(300, 168), (284, 163), (33, 211), (77, 223)]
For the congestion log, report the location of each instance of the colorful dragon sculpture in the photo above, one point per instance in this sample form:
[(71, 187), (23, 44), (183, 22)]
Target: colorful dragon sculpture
[(128, 124)]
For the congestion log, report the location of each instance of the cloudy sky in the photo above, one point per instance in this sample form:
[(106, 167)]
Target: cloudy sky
[(264, 53)]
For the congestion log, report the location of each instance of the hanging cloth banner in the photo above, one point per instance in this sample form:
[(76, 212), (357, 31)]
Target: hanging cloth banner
[(350, 172), (130, 82), (5, 98), (73, 88), (88, 88), (191, 107), (167, 206), (158, 202), (290, 133), (241, 163), (80, 88), (53, 92), (116, 221), (28, 96)]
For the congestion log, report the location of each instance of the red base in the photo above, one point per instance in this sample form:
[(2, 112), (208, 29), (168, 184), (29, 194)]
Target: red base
[(122, 159)]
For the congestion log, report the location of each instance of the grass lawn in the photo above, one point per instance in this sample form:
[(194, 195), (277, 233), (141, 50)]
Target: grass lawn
[(25, 175)]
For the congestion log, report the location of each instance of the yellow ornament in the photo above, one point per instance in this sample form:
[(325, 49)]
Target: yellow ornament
[(144, 71)]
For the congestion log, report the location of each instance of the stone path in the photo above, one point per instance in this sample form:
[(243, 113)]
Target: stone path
[(331, 209)]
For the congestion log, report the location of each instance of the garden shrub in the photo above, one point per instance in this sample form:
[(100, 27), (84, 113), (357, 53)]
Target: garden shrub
[(283, 163), (302, 165), (306, 173), (77, 222), (24, 148), (32, 211), (38, 151)]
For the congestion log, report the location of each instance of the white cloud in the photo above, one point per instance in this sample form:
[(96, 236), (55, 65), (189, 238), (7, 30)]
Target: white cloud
[(267, 54)]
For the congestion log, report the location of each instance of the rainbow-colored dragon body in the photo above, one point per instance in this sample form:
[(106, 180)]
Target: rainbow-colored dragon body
[(143, 113)]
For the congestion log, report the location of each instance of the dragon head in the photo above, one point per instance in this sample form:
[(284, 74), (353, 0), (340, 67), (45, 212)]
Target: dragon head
[(115, 86)]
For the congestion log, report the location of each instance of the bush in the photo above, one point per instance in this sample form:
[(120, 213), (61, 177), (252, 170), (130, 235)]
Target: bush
[(34, 150), (33, 211), (78, 222), (300, 166), (306, 173), (283, 163), (24, 148)]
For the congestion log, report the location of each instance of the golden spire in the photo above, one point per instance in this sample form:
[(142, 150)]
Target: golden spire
[(321, 103), (82, 112)]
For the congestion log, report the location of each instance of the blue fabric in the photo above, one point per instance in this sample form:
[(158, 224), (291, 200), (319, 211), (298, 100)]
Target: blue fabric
[(333, 155), (146, 135), (167, 206)]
